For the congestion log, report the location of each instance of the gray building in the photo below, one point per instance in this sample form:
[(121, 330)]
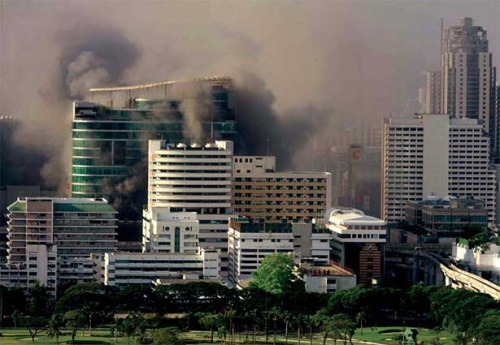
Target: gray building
[(468, 76)]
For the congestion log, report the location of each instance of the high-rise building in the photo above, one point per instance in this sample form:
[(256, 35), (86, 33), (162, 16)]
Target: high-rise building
[(52, 239), (259, 192), (433, 154), (432, 92), (468, 76), (194, 179), (110, 141)]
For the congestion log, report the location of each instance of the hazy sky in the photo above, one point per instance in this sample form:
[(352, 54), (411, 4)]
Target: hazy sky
[(360, 59)]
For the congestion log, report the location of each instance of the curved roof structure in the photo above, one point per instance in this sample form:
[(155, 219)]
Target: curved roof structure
[(351, 216), (220, 80)]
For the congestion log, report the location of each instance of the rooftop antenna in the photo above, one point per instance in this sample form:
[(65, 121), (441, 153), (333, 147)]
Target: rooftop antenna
[(268, 150)]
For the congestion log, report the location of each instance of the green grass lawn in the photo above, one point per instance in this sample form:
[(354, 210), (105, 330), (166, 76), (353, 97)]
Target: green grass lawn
[(386, 335), (21, 337), (381, 335)]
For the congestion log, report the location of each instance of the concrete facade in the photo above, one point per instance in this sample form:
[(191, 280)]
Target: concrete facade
[(433, 154), (194, 179), (259, 192), (357, 241)]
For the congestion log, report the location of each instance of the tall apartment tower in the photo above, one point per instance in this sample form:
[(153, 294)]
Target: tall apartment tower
[(53, 238), (432, 92), (433, 154), (468, 77), (194, 179)]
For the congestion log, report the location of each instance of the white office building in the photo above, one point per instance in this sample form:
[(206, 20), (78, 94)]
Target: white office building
[(250, 241), (433, 154), (124, 269), (167, 232), (194, 179), (51, 240)]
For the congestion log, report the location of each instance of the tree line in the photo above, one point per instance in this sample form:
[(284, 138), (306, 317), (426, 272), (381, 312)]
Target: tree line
[(270, 305)]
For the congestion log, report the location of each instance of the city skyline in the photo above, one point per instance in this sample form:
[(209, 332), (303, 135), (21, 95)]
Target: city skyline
[(345, 60)]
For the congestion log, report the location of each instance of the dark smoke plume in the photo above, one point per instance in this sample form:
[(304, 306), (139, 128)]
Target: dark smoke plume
[(284, 135), (95, 57)]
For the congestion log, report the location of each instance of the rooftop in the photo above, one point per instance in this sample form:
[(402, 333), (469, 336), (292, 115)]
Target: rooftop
[(351, 216), (218, 80), (82, 205)]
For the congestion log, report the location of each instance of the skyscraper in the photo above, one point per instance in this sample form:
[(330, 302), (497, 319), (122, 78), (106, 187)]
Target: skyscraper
[(194, 179), (110, 141), (468, 77), (433, 92), (434, 154)]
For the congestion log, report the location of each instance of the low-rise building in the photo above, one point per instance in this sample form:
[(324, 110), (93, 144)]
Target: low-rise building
[(250, 241), (357, 241), (124, 269), (484, 262), (50, 240), (328, 279), (170, 232), (445, 217)]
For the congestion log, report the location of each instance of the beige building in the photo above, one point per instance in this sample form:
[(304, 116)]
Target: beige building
[(51, 240), (259, 192)]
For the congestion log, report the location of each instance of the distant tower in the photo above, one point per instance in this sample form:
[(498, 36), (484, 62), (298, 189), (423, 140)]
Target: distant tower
[(468, 77), (433, 92)]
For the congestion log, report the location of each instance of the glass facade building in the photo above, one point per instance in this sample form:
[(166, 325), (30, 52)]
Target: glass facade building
[(109, 144)]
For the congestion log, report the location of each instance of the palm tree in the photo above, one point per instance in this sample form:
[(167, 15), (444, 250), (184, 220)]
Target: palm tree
[(298, 319), (360, 317)]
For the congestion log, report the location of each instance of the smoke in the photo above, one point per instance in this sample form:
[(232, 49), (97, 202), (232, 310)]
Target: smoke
[(127, 196), (196, 107), (288, 134), (305, 71), (95, 56), (86, 71)]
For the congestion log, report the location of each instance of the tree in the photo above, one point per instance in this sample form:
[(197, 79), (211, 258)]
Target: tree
[(95, 302), (34, 324), (360, 317), (324, 322), (461, 310), (74, 320), (132, 325), (210, 321), (343, 325), (39, 300), (277, 274), (488, 331), (167, 336), (54, 327)]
